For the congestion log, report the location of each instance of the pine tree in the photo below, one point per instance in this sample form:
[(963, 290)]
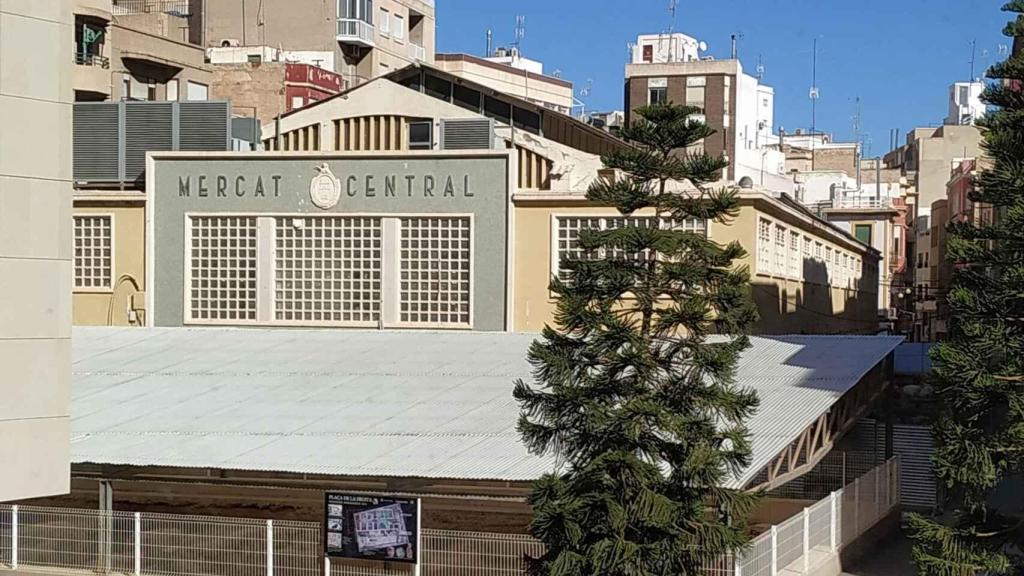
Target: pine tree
[(634, 390), (979, 369)]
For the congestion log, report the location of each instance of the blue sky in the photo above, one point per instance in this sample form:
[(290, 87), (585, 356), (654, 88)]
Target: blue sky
[(898, 56)]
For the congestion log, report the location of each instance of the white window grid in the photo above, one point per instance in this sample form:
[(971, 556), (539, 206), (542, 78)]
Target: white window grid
[(818, 251), (327, 270), (846, 269), (764, 246), (828, 264), (568, 228), (94, 252), (295, 259), (221, 270), (794, 255), (780, 250), (436, 271)]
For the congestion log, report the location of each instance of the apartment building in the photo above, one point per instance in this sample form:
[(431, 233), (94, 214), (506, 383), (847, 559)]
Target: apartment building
[(35, 248), (926, 160), (365, 38), (136, 50), (737, 106)]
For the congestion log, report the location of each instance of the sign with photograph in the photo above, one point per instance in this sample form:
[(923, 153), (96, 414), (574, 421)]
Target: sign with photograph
[(372, 527)]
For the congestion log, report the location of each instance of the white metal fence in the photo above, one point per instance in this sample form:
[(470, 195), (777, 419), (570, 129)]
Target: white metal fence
[(824, 528), (135, 543)]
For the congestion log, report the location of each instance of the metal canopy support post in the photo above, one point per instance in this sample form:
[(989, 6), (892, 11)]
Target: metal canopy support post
[(833, 540), (775, 550)]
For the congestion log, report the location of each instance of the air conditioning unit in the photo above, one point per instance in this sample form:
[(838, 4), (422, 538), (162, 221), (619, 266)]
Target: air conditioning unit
[(230, 43)]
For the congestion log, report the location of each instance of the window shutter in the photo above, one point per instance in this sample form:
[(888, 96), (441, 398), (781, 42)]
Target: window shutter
[(467, 134)]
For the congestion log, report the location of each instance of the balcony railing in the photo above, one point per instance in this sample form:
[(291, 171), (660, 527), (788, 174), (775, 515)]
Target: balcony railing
[(855, 202), (353, 31), (173, 7), (92, 60), (417, 53)]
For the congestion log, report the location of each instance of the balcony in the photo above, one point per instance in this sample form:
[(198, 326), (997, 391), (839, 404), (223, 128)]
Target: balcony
[(417, 53), (358, 32), (91, 74)]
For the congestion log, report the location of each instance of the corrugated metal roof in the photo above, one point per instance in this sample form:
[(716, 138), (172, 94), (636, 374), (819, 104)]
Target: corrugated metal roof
[(376, 403)]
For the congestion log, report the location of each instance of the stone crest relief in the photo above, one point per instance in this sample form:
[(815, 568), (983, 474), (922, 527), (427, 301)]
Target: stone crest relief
[(325, 188)]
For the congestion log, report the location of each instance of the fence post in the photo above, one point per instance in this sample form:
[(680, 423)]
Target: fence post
[(775, 550), (856, 508), (138, 543), (878, 496), (807, 540), (14, 536), (270, 548), (737, 569), (327, 565), (833, 540)]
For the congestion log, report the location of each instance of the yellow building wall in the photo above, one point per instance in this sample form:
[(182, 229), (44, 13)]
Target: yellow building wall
[(786, 306), (111, 307)]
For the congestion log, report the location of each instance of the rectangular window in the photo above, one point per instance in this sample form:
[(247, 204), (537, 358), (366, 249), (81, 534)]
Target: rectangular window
[(794, 255), (695, 90), (863, 233), (764, 246), (94, 256), (398, 31), (172, 90), (648, 53), (435, 272), (828, 263), (197, 91), (384, 22), (566, 237), (327, 270), (222, 270), (657, 90), (780, 250), (421, 135)]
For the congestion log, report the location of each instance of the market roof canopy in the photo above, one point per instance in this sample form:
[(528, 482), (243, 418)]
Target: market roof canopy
[(377, 403)]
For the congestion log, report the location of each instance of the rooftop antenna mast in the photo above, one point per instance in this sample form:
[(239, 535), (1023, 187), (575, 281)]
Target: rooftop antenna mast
[(520, 31), (974, 46), (672, 5), (814, 94), (760, 69), (856, 139)]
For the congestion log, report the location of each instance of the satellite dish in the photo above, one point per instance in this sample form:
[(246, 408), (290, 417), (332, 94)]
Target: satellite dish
[(703, 46)]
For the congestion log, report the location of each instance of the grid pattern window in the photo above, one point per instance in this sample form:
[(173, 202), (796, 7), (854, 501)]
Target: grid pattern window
[(222, 270), (794, 255), (94, 258), (808, 246), (846, 268), (764, 246), (569, 228), (818, 251), (435, 288), (327, 270), (828, 264), (780, 250)]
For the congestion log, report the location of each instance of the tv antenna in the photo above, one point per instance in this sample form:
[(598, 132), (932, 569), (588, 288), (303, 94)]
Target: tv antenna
[(760, 69), (814, 93), (974, 45), (520, 30), (672, 5)]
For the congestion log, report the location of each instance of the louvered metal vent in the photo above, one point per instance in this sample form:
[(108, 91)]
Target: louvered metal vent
[(111, 139), (148, 126), (95, 142), (467, 134), (204, 126)]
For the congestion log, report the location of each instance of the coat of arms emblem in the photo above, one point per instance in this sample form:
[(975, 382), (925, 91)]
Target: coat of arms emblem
[(325, 189)]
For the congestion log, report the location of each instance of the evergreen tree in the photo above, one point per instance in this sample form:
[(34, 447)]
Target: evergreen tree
[(979, 369), (634, 390)]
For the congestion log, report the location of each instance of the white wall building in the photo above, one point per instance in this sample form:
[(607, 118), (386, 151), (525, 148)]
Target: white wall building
[(256, 54), (664, 48), (965, 105)]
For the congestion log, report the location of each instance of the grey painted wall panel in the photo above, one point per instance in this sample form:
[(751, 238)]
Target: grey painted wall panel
[(223, 185)]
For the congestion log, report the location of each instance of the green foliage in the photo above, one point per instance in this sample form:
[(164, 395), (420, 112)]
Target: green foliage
[(634, 389), (980, 368)]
